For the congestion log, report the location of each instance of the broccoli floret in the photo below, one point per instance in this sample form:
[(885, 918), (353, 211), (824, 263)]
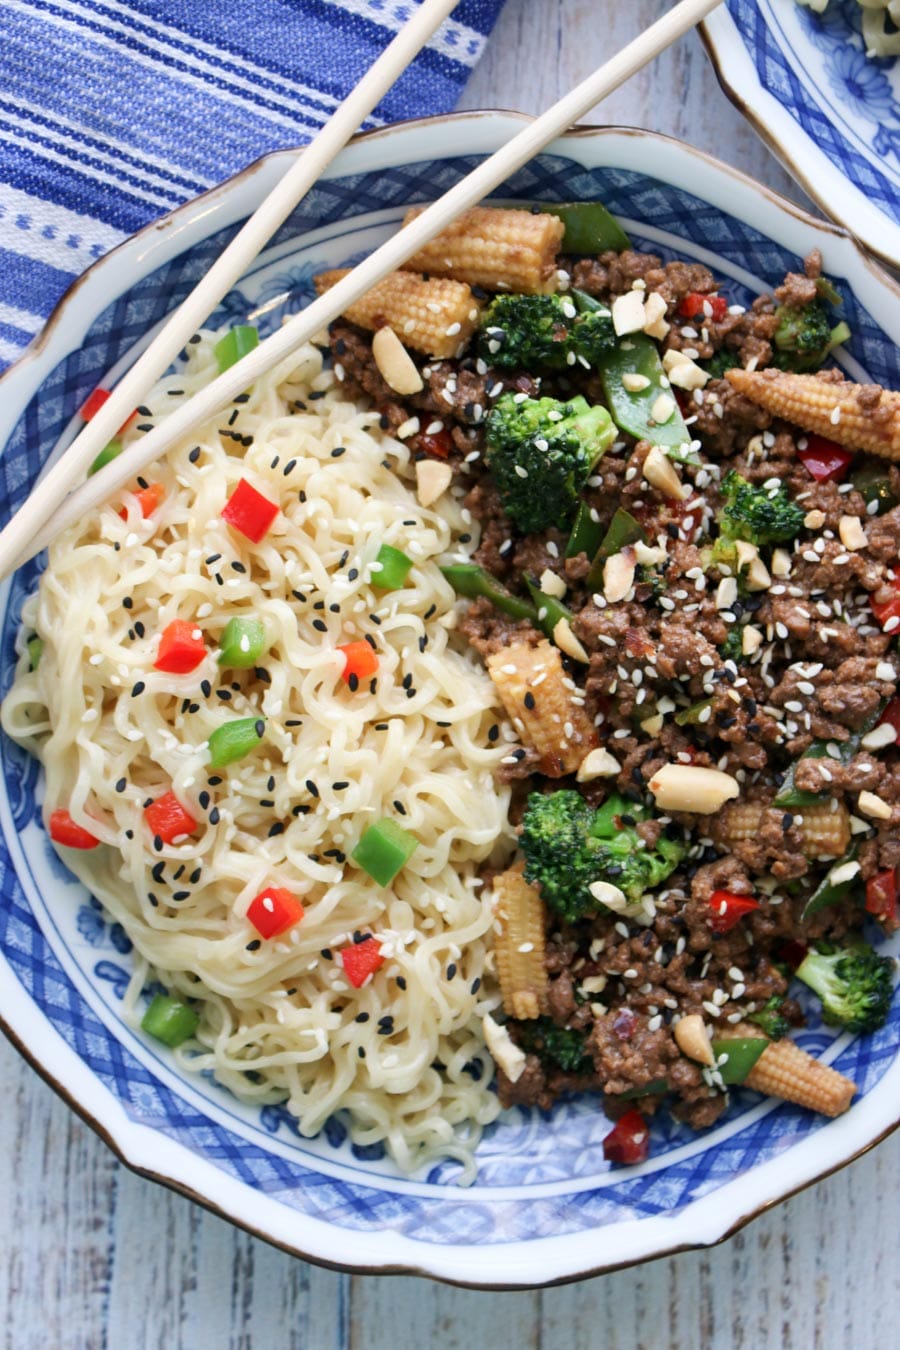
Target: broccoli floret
[(854, 983), (529, 332), (628, 863), (556, 1047), (567, 846), (541, 453), (805, 336), (759, 515), (771, 1019), (722, 360)]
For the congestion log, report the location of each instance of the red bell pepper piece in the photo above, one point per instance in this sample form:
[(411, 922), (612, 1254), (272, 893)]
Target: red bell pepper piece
[(888, 608), (249, 512), (792, 953), (881, 896), (694, 306), (361, 960), (274, 911), (148, 499), (95, 401), (891, 716), (181, 648), (64, 830), (360, 662), (727, 909), (629, 1140), (824, 460), (167, 819), (436, 443)]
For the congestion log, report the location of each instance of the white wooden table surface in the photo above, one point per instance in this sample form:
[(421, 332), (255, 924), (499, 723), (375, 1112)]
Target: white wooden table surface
[(92, 1256)]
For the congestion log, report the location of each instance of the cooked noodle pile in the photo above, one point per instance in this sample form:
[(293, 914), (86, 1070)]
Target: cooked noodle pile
[(403, 1055)]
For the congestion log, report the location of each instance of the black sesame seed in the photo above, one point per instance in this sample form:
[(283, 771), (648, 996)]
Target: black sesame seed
[(311, 788), (128, 603), (361, 1017), (451, 970), (194, 455), (339, 786), (137, 688), (121, 785), (325, 953), (214, 816), (361, 1051), (352, 574), (129, 834), (528, 700), (157, 870), (241, 398), (401, 983), (139, 628), (493, 733), (205, 688), (353, 682), (254, 946), (276, 829), (381, 726), (238, 567), (153, 900), (157, 843), (399, 808), (289, 467), (195, 876), (320, 625), (213, 558), (263, 675), (181, 895), (224, 694), (407, 681), (476, 985), (145, 411), (233, 416), (204, 799)]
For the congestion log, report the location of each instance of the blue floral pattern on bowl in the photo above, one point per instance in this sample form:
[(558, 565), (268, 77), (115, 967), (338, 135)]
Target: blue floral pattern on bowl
[(541, 1176), (836, 115)]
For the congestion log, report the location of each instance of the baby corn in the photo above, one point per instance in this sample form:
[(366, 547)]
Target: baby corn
[(500, 249), (432, 315), (538, 698), (824, 828), (784, 1070), (519, 945), (860, 417)]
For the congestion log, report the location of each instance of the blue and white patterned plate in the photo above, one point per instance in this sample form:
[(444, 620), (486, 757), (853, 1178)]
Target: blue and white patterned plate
[(546, 1206), (829, 112)]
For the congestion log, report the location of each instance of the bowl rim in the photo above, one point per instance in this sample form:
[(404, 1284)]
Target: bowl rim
[(141, 1148), (797, 151)]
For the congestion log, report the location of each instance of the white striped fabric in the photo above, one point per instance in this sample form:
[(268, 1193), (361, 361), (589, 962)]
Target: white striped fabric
[(113, 111)]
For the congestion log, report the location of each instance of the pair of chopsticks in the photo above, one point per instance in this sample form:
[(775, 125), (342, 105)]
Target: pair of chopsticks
[(53, 505)]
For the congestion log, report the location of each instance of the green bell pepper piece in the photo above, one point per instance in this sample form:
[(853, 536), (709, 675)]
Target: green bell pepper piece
[(35, 647), (637, 354), (235, 344), (243, 642), (586, 533), (655, 1088), (623, 530), (169, 1020), (234, 740), (106, 456), (691, 717), (742, 1052), (474, 582), (384, 848), (829, 892), (395, 567), (549, 609), (590, 228)]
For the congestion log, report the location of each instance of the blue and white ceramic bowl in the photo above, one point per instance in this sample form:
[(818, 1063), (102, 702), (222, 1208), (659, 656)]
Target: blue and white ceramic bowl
[(829, 112), (546, 1206)]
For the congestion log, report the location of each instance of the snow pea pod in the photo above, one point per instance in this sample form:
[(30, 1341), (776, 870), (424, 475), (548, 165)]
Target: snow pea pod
[(742, 1053), (590, 228), (472, 581), (633, 410)]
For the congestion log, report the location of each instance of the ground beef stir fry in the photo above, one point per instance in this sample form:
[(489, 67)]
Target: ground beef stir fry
[(728, 604)]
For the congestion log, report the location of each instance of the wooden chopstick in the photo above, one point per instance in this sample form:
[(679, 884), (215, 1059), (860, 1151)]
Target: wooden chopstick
[(306, 169), (391, 255)]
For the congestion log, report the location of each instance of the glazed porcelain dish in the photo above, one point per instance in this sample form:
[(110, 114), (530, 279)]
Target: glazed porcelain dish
[(545, 1206), (829, 112)]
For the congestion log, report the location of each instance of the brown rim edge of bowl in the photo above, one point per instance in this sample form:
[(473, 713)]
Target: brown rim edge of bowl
[(180, 1188), (769, 139), (32, 351)]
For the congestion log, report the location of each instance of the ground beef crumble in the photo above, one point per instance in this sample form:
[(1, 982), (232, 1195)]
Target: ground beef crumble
[(821, 671)]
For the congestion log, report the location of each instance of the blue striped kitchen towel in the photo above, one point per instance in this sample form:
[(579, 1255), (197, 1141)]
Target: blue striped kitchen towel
[(113, 112)]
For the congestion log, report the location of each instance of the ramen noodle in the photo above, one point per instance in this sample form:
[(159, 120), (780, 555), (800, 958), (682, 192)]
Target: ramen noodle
[(370, 1004)]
